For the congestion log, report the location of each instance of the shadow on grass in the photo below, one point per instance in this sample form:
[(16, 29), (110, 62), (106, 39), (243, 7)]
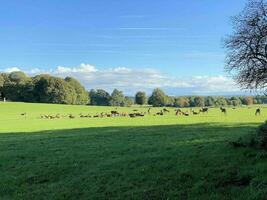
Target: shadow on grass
[(149, 162)]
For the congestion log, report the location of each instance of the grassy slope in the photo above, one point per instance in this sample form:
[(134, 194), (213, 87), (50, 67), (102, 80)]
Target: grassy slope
[(122, 158)]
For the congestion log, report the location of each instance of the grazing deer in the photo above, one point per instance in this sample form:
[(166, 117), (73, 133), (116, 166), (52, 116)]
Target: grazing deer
[(178, 112), (258, 111), (114, 113), (195, 113), (204, 110), (160, 113), (132, 115), (223, 110), (165, 110), (71, 116), (185, 114)]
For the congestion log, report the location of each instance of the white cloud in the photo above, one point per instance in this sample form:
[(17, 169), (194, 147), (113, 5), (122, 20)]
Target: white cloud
[(35, 71), (83, 68), (12, 69), (213, 84), (131, 80)]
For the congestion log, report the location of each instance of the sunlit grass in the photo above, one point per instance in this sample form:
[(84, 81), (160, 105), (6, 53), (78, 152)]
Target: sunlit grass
[(155, 157)]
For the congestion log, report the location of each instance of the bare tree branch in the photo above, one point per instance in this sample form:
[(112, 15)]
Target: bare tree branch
[(247, 46)]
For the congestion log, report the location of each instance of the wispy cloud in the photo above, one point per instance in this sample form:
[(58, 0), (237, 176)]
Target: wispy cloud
[(11, 69), (148, 28)]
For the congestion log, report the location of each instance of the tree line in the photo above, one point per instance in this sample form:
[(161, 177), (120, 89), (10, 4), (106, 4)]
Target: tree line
[(44, 88), (17, 86), (159, 98)]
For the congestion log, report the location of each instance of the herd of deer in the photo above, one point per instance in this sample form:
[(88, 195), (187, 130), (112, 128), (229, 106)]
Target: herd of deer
[(135, 113)]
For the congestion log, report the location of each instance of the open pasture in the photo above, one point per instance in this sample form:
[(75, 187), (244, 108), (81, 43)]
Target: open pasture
[(27, 117), (150, 157)]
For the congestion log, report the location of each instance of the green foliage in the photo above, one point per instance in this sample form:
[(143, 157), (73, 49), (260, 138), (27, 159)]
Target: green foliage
[(261, 138), (257, 140), (117, 98), (140, 98), (235, 101), (181, 102), (192, 101), (2, 80), (99, 97), (50, 89), (127, 102), (199, 102), (158, 98), (82, 96), (17, 86), (18, 77), (248, 100), (221, 101), (210, 101)]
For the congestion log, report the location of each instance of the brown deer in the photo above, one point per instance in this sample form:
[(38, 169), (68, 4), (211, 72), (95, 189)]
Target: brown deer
[(223, 110), (258, 111)]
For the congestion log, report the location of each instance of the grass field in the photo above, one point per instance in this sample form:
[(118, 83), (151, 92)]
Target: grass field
[(154, 157)]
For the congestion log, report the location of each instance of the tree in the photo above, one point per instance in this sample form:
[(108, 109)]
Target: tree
[(181, 102), (99, 97), (248, 100), (127, 102), (82, 96), (14, 86), (192, 101), (221, 101), (235, 101), (158, 98), (247, 46), (18, 77), (210, 101), (140, 98), (169, 101), (199, 101), (2, 82), (117, 98), (48, 89)]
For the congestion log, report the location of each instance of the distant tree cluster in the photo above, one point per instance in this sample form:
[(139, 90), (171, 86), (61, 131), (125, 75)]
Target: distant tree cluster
[(101, 97), (17, 86), (159, 98)]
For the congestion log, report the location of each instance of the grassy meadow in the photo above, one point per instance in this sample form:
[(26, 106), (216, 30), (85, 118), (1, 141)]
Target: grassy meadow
[(151, 157)]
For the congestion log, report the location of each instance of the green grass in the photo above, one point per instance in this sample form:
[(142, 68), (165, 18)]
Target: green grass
[(155, 157)]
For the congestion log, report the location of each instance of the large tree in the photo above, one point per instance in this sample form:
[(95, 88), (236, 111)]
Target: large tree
[(247, 46), (82, 95), (2, 82), (140, 98), (99, 97), (158, 98), (49, 89), (199, 101), (15, 86), (117, 98), (248, 100), (181, 102)]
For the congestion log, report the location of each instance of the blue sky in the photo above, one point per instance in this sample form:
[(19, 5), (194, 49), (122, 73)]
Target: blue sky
[(180, 41)]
